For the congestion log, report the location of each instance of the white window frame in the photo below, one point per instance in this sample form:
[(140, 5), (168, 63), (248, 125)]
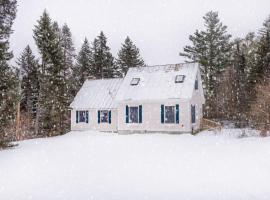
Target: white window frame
[(174, 107), (129, 114)]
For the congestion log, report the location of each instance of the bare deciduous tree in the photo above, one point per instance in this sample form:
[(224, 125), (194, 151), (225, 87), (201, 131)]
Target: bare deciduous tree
[(260, 109)]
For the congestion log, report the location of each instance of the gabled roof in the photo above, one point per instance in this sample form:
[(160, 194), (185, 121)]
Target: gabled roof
[(158, 82), (97, 94)]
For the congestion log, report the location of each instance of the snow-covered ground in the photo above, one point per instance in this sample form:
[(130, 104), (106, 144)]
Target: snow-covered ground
[(102, 166)]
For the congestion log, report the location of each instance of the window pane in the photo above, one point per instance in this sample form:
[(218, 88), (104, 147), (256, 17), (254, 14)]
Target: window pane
[(170, 114), (82, 116), (133, 115), (104, 116)]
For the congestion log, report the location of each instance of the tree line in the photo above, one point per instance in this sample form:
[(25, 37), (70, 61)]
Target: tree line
[(50, 84), (235, 72), (35, 96)]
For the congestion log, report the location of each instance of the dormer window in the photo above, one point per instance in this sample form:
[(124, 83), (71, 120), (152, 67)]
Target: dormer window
[(135, 81), (179, 78)]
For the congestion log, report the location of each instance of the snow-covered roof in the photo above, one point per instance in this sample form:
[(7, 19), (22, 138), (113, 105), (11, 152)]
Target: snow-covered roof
[(97, 94), (158, 82)]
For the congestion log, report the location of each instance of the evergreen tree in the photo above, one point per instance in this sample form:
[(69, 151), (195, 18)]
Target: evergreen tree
[(29, 69), (8, 78), (69, 57), (240, 80), (128, 56), (68, 48), (248, 47), (258, 60), (53, 98), (263, 64), (103, 61), (211, 48), (43, 36), (83, 68)]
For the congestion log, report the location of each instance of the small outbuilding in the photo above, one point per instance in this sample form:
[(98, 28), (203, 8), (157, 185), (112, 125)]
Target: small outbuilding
[(167, 98)]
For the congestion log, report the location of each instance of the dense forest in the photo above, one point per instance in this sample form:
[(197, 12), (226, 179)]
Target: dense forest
[(36, 93)]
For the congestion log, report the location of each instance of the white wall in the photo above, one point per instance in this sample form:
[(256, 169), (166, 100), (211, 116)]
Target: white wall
[(198, 100), (93, 122), (151, 117)]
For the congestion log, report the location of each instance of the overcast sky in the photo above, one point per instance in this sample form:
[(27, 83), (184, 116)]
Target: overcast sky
[(160, 28)]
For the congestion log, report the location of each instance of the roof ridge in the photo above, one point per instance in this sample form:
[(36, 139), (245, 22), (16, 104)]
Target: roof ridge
[(104, 79), (164, 65)]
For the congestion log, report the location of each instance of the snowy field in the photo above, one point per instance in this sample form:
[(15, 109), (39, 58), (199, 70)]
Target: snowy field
[(101, 166)]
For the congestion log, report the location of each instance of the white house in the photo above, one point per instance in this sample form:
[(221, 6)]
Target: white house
[(166, 98), (94, 107)]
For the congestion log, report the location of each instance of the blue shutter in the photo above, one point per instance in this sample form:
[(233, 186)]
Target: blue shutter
[(110, 117), (193, 114), (77, 116), (86, 116), (162, 114), (99, 116), (140, 114), (177, 113), (127, 115)]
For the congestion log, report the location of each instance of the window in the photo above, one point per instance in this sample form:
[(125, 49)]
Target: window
[(135, 81), (133, 114), (169, 114), (104, 116), (196, 84), (193, 114), (82, 116), (179, 78)]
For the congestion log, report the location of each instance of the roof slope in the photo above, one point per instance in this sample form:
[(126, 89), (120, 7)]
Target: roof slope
[(158, 82), (97, 94)]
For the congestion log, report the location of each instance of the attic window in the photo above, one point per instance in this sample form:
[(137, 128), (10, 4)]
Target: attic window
[(135, 81), (179, 78)]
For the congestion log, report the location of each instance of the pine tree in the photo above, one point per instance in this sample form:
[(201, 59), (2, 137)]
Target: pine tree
[(258, 60), (259, 76), (240, 80), (103, 61), (128, 56), (69, 57), (43, 36), (29, 69), (263, 64), (68, 48), (83, 68), (53, 98), (8, 77), (211, 48)]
